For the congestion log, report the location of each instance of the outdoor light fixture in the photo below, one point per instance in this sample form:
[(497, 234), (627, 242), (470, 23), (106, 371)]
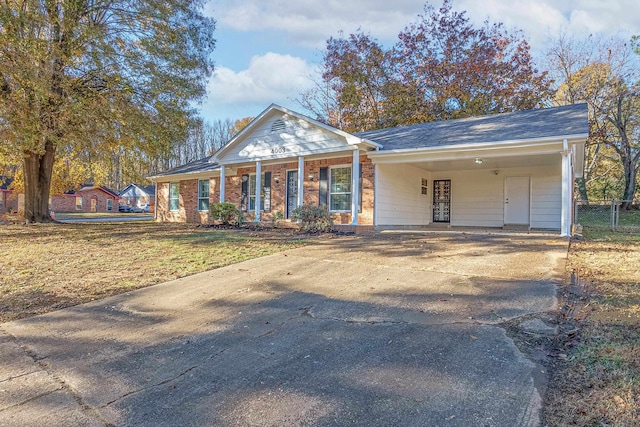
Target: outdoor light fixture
[(478, 161), (276, 179), (310, 177)]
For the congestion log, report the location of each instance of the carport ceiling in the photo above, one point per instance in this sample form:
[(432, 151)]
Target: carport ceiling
[(494, 163)]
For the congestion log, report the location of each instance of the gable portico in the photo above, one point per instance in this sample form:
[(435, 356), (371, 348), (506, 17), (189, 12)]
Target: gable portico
[(304, 161)]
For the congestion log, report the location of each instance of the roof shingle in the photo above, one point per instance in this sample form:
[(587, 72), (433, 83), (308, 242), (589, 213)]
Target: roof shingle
[(541, 123)]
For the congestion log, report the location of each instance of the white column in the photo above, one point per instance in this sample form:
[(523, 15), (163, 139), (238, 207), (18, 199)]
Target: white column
[(300, 181), (222, 178), (355, 188), (565, 220), (258, 188)]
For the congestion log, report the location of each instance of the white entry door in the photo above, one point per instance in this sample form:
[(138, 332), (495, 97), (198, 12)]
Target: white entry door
[(516, 200)]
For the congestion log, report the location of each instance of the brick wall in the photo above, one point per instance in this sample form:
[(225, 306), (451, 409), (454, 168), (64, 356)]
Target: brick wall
[(67, 202), (233, 188), (188, 210), (188, 202)]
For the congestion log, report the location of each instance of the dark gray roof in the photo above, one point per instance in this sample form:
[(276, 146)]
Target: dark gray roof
[(5, 182), (546, 122), (137, 190), (201, 165)]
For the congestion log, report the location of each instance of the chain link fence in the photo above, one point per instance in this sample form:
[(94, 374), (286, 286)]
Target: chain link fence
[(616, 215)]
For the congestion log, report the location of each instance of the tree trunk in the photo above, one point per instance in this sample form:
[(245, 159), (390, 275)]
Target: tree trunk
[(38, 169), (629, 183), (582, 189)]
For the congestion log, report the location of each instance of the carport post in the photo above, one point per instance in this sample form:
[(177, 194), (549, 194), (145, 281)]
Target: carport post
[(565, 213), (222, 177)]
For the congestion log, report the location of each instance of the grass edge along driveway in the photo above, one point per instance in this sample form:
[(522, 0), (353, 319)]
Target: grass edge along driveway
[(46, 267)]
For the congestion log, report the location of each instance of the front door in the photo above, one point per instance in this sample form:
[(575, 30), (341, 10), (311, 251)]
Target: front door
[(94, 205), (292, 192), (516, 200), (442, 200)]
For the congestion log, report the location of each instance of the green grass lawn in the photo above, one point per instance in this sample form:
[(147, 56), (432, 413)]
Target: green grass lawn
[(599, 216)]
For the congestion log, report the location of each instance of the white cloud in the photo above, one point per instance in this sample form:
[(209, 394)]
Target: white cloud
[(269, 78), (305, 25), (311, 23)]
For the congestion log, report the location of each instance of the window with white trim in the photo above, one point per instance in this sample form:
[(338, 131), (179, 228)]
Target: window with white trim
[(203, 195), (109, 205), (174, 196), (340, 189), (252, 192), (78, 203)]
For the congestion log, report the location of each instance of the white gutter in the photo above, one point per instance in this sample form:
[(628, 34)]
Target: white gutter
[(491, 145)]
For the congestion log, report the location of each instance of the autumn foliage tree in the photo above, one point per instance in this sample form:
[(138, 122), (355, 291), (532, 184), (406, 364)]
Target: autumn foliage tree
[(603, 73), (442, 68), (92, 78)]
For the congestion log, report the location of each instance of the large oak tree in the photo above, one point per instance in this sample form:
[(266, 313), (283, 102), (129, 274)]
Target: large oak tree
[(94, 77)]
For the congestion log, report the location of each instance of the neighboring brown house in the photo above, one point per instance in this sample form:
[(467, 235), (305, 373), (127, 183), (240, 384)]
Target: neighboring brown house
[(87, 199), (8, 199)]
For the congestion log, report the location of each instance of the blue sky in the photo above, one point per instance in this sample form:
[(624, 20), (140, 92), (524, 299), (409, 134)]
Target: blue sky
[(268, 49)]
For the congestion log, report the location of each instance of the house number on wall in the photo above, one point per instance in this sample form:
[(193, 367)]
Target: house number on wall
[(278, 150)]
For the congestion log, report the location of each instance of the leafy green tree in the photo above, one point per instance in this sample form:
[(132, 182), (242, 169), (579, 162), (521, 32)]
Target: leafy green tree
[(91, 78)]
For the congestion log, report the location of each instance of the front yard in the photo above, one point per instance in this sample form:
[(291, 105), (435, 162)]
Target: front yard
[(50, 266), (595, 380)]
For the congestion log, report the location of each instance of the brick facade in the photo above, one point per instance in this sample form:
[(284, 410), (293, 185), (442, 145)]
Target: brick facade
[(67, 202), (188, 206), (8, 201)]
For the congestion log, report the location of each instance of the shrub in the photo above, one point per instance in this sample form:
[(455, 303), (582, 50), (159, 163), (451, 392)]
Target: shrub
[(313, 219), (276, 217), (227, 213)]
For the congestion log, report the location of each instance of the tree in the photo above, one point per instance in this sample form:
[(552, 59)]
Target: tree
[(94, 78), (442, 68), (455, 70), (605, 75)]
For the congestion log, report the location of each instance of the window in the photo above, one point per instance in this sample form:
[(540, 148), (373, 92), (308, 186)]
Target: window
[(78, 203), (252, 192), (109, 205), (340, 189), (174, 196), (203, 195)]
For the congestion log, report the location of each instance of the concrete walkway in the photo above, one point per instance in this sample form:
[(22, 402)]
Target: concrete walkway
[(384, 330)]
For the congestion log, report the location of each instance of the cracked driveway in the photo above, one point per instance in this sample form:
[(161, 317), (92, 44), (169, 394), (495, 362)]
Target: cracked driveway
[(392, 329)]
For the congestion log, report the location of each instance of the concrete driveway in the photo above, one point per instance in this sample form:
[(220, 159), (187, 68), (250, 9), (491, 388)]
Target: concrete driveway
[(392, 329)]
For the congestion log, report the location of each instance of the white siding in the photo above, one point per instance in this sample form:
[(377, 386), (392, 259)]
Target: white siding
[(398, 196), (298, 138), (477, 196), (546, 199)]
